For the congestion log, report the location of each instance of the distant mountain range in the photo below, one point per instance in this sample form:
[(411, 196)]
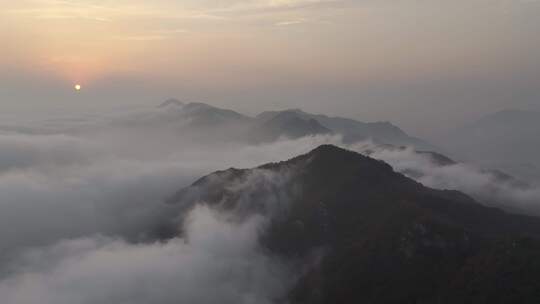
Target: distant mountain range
[(286, 124), (353, 130), (270, 126), (507, 139), (359, 232), (440, 160)]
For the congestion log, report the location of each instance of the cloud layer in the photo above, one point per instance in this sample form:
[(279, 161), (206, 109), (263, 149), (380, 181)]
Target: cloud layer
[(82, 211), (217, 261)]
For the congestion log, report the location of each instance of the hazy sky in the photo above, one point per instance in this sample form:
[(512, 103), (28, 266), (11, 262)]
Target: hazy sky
[(424, 65)]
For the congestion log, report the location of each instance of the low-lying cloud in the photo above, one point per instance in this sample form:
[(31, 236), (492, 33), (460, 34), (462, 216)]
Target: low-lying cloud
[(218, 261), (82, 208), (480, 183)]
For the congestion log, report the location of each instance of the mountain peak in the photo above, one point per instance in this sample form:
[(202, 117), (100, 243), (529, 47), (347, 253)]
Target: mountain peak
[(371, 222), (198, 106), (322, 154), (171, 102), (331, 150), (273, 125)]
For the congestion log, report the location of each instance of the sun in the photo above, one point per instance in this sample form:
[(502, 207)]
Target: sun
[(78, 87)]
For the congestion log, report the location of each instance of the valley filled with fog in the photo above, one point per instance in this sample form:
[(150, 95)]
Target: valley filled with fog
[(269, 152), (84, 216)]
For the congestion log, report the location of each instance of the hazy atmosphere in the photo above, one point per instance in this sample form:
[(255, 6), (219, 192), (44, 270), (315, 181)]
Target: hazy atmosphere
[(269, 151), (425, 65)]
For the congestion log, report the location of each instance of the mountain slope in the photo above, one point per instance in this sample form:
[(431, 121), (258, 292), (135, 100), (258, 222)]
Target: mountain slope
[(197, 122), (171, 102), (412, 169), (353, 130), (205, 115), (286, 124), (379, 236), (203, 121)]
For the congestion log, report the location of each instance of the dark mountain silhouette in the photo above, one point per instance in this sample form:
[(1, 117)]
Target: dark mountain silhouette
[(362, 233), (287, 124), (204, 115), (269, 126), (438, 158), (353, 130), (196, 122), (171, 102)]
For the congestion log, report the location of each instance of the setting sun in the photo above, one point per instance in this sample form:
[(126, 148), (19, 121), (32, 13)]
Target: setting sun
[(269, 151)]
